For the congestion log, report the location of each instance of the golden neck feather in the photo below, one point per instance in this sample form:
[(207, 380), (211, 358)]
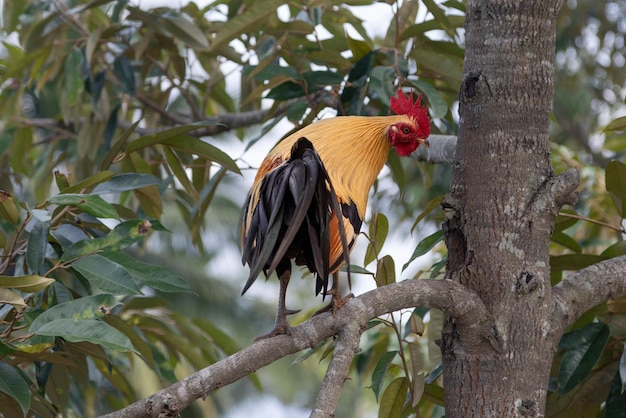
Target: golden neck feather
[(353, 148)]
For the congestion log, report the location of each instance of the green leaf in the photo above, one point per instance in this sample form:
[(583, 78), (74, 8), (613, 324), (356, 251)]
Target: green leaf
[(405, 16), (397, 170), (420, 28), (156, 277), (106, 274), (437, 104), (61, 180), (439, 62), (270, 72), (615, 174), (378, 230), (142, 303), (615, 250), (178, 169), (385, 271), (73, 79), (434, 374), (35, 344), (563, 222), (144, 348), (123, 69), (573, 262), (97, 178), (381, 370), (381, 83), (9, 209), (90, 330), (186, 31), (440, 16), (424, 246), (430, 206), (125, 182), (328, 57), (615, 402), (88, 307), (286, 91), (119, 143), (434, 393), (615, 142), (358, 47), (354, 269), (38, 242), (438, 266), (219, 337), (13, 384), (12, 298), (174, 138), (622, 370), (419, 383), (27, 284), (392, 401), (91, 204), (618, 124), (582, 347), (566, 241), (415, 324), (244, 22), (320, 79), (308, 353), (123, 235), (6, 349), (296, 111)]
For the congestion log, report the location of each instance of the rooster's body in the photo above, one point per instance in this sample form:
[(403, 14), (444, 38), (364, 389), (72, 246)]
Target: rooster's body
[(320, 171)]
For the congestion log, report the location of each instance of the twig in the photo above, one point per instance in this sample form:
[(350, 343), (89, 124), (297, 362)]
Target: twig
[(11, 250), (592, 221), (160, 110)]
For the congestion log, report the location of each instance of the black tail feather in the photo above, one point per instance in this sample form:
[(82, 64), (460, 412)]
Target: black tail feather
[(291, 219)]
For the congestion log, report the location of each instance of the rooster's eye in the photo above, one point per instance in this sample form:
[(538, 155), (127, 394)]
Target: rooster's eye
[(406, 130)]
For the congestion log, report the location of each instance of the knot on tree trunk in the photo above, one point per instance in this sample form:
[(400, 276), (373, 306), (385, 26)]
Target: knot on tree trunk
[(553, 193)]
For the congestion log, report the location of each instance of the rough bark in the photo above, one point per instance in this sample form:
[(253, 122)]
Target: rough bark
[(503, 200)]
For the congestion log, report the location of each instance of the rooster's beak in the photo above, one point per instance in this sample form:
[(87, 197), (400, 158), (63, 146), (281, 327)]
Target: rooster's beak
[(424, 141)]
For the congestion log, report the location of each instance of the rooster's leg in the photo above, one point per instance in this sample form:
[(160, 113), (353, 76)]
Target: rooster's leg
[(337, 301), (281, 326)]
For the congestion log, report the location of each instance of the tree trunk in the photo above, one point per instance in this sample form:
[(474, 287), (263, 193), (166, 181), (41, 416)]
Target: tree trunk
[(503, 200)]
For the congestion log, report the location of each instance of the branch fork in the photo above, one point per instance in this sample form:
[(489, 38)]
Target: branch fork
[(348, 324)]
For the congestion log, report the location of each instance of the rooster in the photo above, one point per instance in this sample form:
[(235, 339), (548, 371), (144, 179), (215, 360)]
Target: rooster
[(309, 195)]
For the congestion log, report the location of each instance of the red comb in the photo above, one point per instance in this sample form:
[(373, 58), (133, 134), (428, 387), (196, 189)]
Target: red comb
[(403, 105)]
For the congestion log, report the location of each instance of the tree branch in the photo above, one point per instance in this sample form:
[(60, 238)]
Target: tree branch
[(346, 346), (590, 287), (564, 188), (446, 295), (442, 150)]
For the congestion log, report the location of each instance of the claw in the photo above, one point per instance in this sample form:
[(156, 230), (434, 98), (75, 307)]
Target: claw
[(335, 304), (280, 327)]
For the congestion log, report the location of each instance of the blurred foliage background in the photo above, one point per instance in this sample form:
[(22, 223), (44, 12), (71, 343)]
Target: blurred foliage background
[(129, 135)]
